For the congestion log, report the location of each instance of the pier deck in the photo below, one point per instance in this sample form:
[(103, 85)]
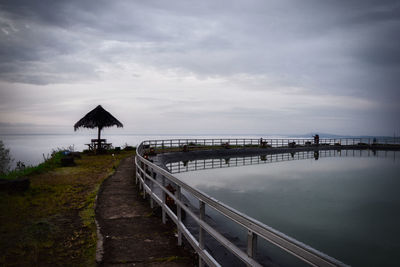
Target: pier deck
[(129, 233)]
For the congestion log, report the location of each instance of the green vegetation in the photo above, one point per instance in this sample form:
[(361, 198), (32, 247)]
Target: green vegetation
[(5, 159), (52, 223), (48, 165)]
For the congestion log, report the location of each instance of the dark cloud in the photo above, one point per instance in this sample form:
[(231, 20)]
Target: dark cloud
[(376, 12), (383, 48), (251, 37), (57, 13)]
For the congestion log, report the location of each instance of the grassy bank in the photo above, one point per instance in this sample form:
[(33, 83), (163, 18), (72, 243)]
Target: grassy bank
[(48, 165), (52, 223)]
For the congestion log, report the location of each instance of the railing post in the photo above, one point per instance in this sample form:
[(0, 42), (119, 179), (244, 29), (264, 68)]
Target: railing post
[(140, 182), (202, 213), (164, 198), (153, 175), (144, 182), (179, 215), (137, 172), (251, 244), (141, 177)]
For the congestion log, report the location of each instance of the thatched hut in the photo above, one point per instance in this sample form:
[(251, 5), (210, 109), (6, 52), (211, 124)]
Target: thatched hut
[(98, 118)]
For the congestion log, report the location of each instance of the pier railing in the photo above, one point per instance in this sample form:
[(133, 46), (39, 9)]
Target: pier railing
[(194, 144), (156, 182)]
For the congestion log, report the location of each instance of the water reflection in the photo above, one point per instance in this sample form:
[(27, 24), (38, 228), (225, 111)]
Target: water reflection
[(344, 203), (214, 163)]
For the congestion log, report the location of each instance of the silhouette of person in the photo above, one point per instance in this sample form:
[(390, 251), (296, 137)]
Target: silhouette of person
[(316, 139)]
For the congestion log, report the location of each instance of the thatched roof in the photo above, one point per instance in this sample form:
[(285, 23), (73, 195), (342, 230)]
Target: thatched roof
[(98, 118)]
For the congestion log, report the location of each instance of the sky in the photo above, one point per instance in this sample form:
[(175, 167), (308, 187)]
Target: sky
[(202, 67)]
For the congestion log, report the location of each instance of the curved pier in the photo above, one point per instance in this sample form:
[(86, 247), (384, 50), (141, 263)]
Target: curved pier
[(153, 180)]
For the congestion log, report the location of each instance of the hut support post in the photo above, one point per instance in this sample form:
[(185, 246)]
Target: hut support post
[(98, 139)]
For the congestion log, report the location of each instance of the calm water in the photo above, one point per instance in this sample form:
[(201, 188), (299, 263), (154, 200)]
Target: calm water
[(30, 148), (345, 206)]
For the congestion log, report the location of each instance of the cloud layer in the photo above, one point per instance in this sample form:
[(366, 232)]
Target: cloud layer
[(208, 66)]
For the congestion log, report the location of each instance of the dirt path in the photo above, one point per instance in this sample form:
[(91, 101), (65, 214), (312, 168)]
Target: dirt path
[(130, 235)]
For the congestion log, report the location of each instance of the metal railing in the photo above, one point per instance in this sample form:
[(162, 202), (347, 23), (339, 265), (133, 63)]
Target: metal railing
[(151, 176), (193, 144)]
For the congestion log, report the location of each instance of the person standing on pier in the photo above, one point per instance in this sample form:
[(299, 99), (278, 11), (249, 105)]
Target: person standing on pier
[(316, 139)]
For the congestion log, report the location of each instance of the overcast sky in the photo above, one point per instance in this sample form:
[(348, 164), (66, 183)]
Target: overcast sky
[(200, 67)]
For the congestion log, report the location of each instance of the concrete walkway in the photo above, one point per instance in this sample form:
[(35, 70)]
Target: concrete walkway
[(129, 233)]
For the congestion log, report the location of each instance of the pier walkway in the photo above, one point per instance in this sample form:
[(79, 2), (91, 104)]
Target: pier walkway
[(129, 232)]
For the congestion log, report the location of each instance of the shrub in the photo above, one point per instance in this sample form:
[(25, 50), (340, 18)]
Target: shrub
[(5, 159)]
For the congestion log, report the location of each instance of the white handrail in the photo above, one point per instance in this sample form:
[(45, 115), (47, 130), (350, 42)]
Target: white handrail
[(269, 142)]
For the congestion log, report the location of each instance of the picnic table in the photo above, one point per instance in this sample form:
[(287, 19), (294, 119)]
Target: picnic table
[(99, 144)]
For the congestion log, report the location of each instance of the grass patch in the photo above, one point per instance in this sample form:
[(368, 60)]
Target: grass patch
[(53, 221), (48, 165), (87, 215)]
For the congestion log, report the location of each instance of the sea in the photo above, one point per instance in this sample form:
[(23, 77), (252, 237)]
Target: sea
[(32, 149)]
